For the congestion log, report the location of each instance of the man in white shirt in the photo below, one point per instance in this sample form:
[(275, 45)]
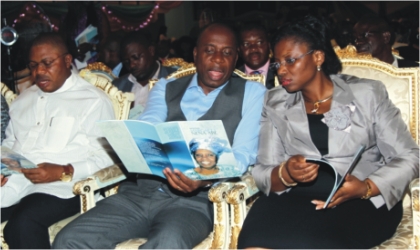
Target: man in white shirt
[(255, 51), (52, 125), (138, 56)]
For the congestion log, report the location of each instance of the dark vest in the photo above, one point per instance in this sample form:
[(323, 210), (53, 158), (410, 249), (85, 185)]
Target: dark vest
[(226, 107)]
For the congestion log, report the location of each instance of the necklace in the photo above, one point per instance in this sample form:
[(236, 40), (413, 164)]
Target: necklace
[(316, 104)]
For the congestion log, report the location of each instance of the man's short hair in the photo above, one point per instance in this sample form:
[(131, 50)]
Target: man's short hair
[(52, 38), (110, 42), (138, 37), (223, 24), (381, 23), (253, 26)]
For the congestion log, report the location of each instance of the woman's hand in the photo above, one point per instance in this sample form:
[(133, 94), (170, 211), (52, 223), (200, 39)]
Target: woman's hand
[(352, 188), (181, 182), (301, 171)]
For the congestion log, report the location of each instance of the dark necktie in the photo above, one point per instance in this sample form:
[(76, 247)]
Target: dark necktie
[(256, 72)]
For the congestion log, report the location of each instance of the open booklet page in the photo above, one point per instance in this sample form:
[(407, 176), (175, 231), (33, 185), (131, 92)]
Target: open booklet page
[(12, 162), (199, 149)]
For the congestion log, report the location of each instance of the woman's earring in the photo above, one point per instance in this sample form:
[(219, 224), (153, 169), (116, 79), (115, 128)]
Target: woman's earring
[(318, 68), (270, 55)]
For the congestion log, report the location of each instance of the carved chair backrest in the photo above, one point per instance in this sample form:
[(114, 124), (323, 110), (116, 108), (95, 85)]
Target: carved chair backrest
[(402, 84), (101, 69), (7, 94), (186, 69), (120, 101)]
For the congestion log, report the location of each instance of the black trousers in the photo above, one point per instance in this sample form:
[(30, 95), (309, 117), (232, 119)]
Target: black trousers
[(28, 221), (290, 221)]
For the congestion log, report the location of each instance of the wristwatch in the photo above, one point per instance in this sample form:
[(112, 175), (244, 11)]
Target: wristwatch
[(67, 175)]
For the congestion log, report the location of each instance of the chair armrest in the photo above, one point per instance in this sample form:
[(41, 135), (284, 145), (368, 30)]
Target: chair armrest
[(217, 195), (236, 198), (103, 178), (415, 189)]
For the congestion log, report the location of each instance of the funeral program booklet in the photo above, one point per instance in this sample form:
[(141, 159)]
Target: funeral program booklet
[(199, 149), (339, 180)]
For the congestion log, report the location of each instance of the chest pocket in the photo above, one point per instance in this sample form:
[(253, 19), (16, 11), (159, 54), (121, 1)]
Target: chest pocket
[(59, 133)]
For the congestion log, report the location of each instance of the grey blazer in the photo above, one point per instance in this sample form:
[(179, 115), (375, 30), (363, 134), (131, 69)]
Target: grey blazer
[(391, 158)]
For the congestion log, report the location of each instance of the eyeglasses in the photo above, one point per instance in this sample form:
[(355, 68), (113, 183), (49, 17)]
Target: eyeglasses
[(365, 35), (46, 63), (204, 155), (288, 62)]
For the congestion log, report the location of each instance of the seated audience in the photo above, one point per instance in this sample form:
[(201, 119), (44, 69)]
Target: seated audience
[(321, 114), (411, 52), (163, 50), (109, 54), (183, 48), (175, 212), (255, 50), (4, 117), (343, 33), (52, 125), (374, 35), (138, 56)]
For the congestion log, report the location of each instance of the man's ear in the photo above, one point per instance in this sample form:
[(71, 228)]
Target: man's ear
[(68, 59), (152, 50), (386, 36), (195, 54)]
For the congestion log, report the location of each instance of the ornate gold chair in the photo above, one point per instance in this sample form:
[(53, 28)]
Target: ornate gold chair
[(218, 239), (121, 103), (185, 68), (403, 89), (101, 69), (7, 94)]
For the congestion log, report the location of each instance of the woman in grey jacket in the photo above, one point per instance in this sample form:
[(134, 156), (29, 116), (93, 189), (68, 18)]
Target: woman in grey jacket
[(321, 114)]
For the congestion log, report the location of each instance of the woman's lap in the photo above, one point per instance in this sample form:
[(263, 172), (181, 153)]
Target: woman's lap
[(291, 221)]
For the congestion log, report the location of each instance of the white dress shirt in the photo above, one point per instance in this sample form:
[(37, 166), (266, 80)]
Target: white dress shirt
[(57, 128), (141, 93)]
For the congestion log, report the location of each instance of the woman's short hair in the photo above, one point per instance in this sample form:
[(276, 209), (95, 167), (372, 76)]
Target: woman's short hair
[(316, 34)]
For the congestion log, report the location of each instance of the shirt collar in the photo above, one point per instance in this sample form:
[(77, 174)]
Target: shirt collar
[(68, 83), (133, 79), (117, 69), (194, 84), (263, 69)]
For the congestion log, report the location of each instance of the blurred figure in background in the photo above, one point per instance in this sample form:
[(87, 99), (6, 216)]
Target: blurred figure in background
[(411, 52), (109, 54), (139, 57), (374, 35), (163, 50), (343, 33), (255, 52), (184, 47)]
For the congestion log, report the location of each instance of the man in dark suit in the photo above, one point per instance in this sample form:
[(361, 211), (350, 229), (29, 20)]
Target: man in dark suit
[(138, 56), (374, 35), (255, 50)]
